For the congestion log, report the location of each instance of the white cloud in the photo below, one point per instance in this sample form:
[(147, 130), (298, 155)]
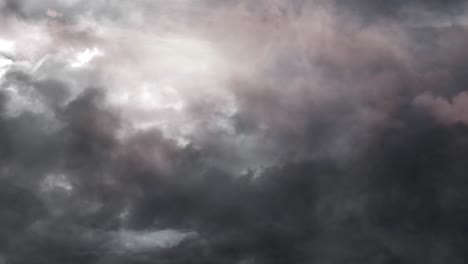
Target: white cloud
[(84, 57), (7, 46), (128, 240)]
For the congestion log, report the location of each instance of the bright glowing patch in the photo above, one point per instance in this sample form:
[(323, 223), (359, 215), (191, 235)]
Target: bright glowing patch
[(159, 97), (176, 73), (188, 55), (7, 46), (85, 57), (4, 62)]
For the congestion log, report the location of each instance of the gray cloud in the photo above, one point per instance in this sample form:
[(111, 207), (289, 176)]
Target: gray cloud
[(233, 131)]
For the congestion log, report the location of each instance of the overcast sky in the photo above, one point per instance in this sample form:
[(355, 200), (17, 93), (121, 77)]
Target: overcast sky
[(233, 131)]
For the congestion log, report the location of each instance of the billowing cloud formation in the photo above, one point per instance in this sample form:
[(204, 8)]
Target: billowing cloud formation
[(233, 131)]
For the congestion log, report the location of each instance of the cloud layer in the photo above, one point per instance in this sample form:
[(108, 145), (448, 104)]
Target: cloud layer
[(233, 131)]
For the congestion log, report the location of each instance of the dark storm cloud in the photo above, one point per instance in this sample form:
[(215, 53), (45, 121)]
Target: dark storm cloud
[(395, 8), (350, 135)]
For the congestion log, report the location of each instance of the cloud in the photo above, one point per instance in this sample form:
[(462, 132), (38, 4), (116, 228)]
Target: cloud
[(232, 131), (447, 112), (149, 240)]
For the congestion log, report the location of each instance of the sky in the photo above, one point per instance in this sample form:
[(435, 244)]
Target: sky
[(233, 131)]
